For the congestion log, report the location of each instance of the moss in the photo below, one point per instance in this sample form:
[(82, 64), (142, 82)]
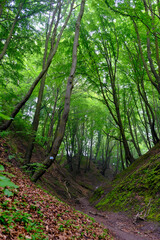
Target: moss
[(97, 194), (137, 191)]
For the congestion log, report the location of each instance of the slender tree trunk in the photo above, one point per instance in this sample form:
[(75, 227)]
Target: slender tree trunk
[(98, 145), (121, 155), (50, 159), (68, 152), (112, 68), (50, 132), (128, 155), (106, 159), (155, 84), (44, 125), (56, 131), (151, 118), (132, 135), (11, 30), (118, 160), (145, 125), (80, 147), (91, 149), (50, 57), (35, 123), (73, 135), (108, 152)]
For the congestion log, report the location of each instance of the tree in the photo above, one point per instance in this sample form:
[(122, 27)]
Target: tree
[(51, 54), (105, 58), (50, 35), (60, 134)]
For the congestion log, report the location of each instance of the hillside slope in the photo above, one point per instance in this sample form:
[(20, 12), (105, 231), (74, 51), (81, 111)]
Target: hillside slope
[(67, 186), (136, 190), (31, 213)]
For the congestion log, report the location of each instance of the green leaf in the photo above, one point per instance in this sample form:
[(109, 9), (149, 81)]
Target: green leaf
[(1, 168), (8, 193), (5, 116), (11, 157), (6, 182), (8, 174)]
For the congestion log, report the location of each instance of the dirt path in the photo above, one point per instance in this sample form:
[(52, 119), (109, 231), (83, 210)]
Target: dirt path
[(120, 225)]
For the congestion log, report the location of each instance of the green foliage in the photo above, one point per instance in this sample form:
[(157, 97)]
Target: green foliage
[(1, 168), (10, 157), (33, 166), (3, 116), (9, 219), (137, 191), (10, 216), (5, 183), (104, 235), (97, 194)]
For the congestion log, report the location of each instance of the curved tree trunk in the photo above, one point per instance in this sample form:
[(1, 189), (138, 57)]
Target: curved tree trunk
[(57, 142), (42, 73), (35, 123)]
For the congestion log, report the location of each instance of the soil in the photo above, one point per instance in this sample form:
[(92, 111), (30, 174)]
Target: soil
[(120, 225)]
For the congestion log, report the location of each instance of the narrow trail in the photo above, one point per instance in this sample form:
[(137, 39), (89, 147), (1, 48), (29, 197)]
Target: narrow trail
[(120, 225)]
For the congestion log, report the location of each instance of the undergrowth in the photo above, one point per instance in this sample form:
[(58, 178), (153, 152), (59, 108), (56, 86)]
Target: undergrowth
[(11, 217), (138, 191)]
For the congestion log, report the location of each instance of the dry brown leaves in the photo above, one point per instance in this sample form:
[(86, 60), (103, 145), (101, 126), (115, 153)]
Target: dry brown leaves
[(59, 220)]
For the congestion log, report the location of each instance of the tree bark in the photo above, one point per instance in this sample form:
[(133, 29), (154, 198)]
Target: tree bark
[(50, 132), (50, 159), (132, 135), (80, 147), (91, 149), (98, 145), (156, 84), (35, 123)]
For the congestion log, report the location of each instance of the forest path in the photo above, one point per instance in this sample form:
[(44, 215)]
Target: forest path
[(120, 225)]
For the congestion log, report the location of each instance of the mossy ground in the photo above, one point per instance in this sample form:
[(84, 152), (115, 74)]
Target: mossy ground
[(137, 190)]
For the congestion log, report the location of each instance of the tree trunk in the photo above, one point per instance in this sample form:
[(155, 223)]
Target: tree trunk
[(118, 160), (44, 125), (90, 155), (98, 145), (155, 84), (50, 57), (50, 159), (11, 30), (50, 132), (132, 135), (80, 147), (35, 123), (121, 155), (56, 131)]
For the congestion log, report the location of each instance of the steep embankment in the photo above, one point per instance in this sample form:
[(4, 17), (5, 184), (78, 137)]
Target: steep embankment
[(57, 180), (136, 190), (27, 212)]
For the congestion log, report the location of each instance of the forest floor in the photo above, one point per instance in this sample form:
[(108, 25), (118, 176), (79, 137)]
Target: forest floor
[(61, 221), (120, 225), (31, 213)]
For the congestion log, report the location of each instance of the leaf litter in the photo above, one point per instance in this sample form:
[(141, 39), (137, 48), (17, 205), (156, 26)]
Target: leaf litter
[(32, 213)]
